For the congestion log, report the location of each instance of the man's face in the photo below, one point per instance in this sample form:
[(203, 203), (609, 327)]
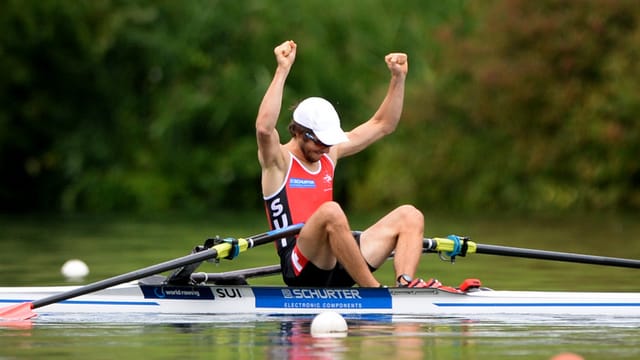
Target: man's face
[(311, 147)]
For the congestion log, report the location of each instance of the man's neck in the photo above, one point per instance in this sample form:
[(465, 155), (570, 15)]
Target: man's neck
[(294, 149)]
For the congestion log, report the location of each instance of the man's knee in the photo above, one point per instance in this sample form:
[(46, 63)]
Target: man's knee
[(332, 214), (411, 216)]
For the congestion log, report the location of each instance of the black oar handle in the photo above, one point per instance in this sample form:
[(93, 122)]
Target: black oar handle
[(558, 256), (162, 267), (121, 279)]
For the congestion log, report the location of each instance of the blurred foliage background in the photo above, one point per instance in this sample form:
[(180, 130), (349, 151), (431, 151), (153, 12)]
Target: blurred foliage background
[(149, 105)]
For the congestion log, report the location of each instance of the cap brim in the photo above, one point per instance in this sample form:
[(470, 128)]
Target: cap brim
[(331, 137)]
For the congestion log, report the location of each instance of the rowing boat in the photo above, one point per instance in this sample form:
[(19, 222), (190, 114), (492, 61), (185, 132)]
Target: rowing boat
[(186, 292), (153, 295)]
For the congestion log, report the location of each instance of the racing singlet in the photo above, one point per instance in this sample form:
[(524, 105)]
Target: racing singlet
[(301, 193)]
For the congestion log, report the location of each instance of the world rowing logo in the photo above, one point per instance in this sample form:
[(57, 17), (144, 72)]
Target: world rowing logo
[(159, 292), (176, 292)]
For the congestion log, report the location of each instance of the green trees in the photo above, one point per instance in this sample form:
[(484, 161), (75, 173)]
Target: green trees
[(532, 107), (150, 105)]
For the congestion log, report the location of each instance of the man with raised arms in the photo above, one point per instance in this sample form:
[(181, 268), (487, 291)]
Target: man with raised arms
[(297, 186)]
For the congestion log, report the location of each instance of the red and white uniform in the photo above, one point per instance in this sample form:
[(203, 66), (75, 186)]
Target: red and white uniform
[(301, 193)]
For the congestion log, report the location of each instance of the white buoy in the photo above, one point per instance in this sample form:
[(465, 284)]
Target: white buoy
[(329, 324), (74, 269)]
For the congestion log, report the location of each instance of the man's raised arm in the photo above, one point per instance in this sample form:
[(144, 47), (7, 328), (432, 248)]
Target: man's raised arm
[(269, 111)]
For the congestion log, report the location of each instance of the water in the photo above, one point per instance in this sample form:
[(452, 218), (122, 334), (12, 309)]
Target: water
[(229, 337), (34, 250)]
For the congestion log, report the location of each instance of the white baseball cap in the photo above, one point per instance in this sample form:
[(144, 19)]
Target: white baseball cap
[(319, 115)]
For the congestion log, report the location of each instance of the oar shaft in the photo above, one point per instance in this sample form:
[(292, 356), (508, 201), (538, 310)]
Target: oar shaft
[(134, 275), (271, 235), (557, 256), (237, 274), (218, 251)]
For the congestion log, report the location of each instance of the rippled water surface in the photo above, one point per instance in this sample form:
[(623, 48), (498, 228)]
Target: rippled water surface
[(271, 337)]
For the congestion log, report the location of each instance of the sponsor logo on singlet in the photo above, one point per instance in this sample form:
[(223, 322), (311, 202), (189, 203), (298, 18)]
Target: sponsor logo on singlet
[(302, 183)]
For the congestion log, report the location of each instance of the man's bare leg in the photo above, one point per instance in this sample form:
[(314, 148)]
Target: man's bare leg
[(402, 231), (326, 238)]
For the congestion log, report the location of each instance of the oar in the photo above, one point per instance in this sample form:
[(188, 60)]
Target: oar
[(235, 277), (457, 246), (23, 311)]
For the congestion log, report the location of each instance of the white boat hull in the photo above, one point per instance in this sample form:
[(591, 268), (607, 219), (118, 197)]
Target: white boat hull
[(213, 299)]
